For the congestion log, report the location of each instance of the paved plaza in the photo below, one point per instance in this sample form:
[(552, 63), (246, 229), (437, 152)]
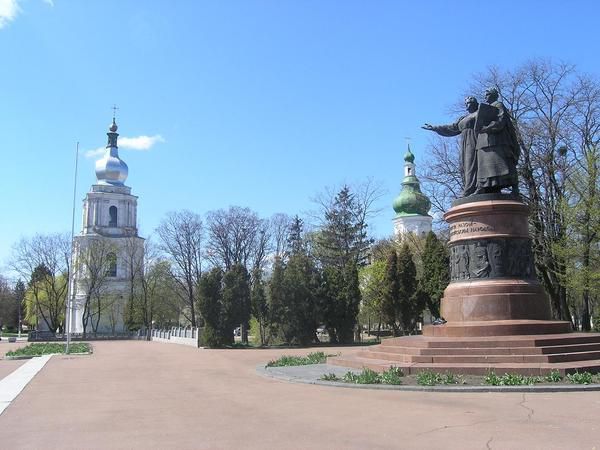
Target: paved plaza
[(137, 394)]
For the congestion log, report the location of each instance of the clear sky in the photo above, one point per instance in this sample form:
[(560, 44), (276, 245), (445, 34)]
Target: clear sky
[(251, 103)]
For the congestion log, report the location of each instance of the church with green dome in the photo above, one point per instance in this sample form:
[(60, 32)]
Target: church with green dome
[(411, 206)]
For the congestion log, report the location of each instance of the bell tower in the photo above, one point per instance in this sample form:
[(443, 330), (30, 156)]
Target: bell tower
[(108, 250)]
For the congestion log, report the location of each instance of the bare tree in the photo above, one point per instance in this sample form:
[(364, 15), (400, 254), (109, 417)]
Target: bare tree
[(181, 235), (134, 251), (279, 225), (44, 260), (237, 236), (555, 115), (93, 264)]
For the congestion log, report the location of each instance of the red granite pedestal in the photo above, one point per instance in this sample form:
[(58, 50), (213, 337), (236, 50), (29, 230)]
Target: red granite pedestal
[(498, 315)]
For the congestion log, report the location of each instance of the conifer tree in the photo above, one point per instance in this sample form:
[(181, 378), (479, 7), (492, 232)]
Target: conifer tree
[(436, 273), (260, 307), (276, 297), (409, 300), (390, 304), (236, 301), (209, 303), (299, 299)]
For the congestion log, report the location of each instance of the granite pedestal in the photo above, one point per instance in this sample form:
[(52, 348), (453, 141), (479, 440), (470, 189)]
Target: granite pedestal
[(498, 315)]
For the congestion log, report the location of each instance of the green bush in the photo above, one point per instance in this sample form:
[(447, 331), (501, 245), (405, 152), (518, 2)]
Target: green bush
[(311, 358), (554, 377), (367, 376), (49, 348), (429, 378), (580, 378), (511, 379), (329, 377), (392, 376)]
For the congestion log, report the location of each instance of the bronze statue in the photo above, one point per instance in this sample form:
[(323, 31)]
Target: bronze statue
[(465, 127), (489, 149)]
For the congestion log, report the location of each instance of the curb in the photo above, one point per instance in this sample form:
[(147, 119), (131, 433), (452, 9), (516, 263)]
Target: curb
[(278, 373)]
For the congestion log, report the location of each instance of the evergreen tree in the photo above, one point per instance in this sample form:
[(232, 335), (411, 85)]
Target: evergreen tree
[(390, 304), (299, 299), (409, 300), (260, 307), (296, 242), (236, 301), (436, 273), (341, 246), (339, 302), (209, 290), (276, 299), (343, 238)]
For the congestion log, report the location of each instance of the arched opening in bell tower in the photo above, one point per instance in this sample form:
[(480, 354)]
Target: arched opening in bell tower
[(112, 212)]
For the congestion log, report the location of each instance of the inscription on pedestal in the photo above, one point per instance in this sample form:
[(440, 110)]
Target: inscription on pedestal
[(459, 228), (491, 258)]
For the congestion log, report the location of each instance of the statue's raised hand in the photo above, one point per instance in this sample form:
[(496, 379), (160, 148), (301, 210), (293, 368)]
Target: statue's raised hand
[(427, 127)]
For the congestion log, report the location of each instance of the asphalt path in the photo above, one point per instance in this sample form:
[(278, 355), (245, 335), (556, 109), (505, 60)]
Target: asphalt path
[(137, 394)]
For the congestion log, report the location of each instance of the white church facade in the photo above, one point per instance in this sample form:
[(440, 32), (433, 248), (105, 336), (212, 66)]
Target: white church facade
[(108, 253)]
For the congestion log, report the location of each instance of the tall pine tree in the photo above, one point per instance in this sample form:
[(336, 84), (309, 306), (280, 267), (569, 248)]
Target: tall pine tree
[(209, 303), (236, 301), (436, 272)]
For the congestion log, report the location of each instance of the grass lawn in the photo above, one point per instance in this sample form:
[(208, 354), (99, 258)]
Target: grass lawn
[(49, 348)]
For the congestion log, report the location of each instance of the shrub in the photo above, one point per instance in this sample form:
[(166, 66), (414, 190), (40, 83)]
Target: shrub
[(329, 377), (367, 376), (580, 378), (429, 378), (287, 360), (510, 379), (392, 376), (554, 377)]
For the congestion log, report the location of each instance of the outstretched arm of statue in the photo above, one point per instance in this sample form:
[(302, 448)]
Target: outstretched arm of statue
[(443, 130)]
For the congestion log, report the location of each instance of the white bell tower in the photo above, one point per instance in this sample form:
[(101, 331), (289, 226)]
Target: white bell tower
[(108, 250)]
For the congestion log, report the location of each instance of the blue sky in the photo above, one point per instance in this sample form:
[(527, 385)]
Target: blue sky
[(252, 103)]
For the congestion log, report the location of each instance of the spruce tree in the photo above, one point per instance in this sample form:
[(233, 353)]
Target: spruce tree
[(299, 299), (260, 307), (410, 309), (341, 246), (276, 298), (390, 304), (436, 273), (235, 302), (209, 303), (296, 242)]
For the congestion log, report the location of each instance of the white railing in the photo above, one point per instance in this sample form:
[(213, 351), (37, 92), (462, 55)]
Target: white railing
[(177, 335)]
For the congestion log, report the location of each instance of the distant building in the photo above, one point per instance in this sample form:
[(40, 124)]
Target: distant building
[(411, 206), (108, 247)]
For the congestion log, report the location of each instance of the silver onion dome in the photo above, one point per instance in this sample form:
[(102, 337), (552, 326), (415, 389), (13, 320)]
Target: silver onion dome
[(111, 169)]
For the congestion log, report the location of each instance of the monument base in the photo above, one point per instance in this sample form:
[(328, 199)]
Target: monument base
[(498, 315), (480, 355)]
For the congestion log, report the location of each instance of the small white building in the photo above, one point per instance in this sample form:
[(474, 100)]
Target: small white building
[(411, 206), (108, 251)]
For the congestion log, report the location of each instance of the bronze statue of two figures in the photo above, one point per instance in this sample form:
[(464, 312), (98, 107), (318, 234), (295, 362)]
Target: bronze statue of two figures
[(489, 146)]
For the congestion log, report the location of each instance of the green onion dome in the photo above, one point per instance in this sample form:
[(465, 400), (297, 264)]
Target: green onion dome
[(411, 200)]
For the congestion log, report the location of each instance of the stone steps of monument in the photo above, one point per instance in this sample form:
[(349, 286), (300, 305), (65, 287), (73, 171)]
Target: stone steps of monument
[(517, 341), (380, 365), (496, 328), (525, 350)]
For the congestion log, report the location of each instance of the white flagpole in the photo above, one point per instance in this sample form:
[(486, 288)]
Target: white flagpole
[(70, 286)]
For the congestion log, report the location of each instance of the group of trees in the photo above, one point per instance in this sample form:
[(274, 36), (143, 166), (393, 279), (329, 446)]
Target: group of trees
[(403, 280), (556, 111), (233, 268)]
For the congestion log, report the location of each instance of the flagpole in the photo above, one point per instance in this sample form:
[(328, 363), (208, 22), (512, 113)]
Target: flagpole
[(70, 286)]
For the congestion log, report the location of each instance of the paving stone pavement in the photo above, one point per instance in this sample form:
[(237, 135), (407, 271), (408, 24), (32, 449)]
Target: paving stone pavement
[(146, 395)]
